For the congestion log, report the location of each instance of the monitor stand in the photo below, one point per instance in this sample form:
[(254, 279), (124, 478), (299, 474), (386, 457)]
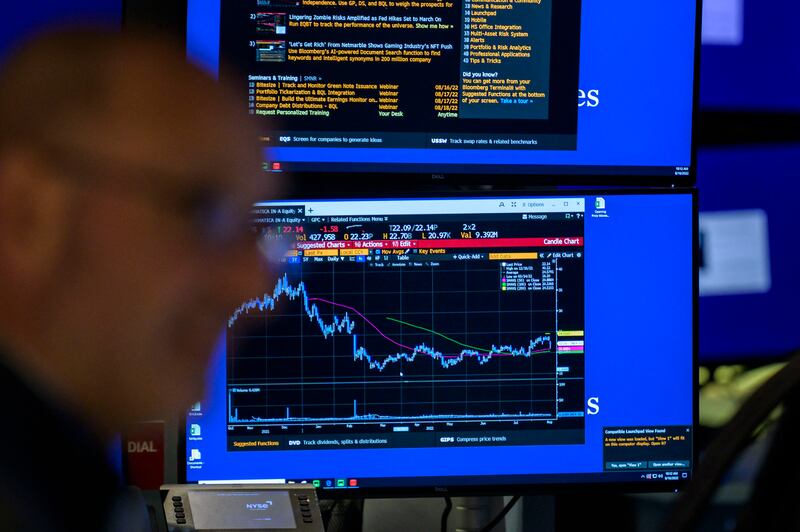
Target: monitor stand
[(468, 514), (471, 514)]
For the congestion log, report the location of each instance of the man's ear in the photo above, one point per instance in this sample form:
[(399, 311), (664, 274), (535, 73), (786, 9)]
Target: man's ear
[(34, 224)]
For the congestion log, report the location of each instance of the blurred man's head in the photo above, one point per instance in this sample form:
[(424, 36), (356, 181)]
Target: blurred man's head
[(126, 177)]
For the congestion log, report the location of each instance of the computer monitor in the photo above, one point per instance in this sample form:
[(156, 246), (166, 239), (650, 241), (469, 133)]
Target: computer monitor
[(462, 344), (748, 274), (750, 56), (545, 92)]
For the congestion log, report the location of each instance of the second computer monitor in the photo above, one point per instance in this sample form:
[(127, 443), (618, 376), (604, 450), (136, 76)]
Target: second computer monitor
[(416, 345)]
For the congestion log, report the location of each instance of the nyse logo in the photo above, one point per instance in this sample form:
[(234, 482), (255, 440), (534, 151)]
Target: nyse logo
[(589, 98), (447, 439), (259, 506), (141, 447)]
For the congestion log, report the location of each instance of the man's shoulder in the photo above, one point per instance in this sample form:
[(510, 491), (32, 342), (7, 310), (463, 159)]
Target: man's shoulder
[(51, 469)]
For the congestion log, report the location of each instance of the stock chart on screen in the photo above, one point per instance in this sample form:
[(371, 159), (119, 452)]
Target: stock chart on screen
[(410, 328), (417, 343)]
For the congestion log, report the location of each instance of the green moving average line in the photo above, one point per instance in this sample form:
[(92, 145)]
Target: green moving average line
[(438, 334)]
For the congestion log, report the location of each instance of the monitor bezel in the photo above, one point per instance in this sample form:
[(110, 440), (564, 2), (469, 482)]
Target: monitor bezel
[(616, 175), (543, 488)]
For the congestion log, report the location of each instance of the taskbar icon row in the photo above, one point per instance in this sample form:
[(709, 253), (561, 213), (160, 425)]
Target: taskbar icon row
[(328, 483)]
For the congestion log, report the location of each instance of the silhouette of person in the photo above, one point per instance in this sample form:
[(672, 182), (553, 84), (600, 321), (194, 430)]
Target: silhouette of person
[(126, 181)]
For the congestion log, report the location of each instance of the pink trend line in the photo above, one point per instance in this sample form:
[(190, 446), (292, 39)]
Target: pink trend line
[(365, 319), (399, 344)]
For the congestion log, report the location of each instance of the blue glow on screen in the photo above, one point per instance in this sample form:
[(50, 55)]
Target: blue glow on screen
[(638, 56), (761, 71), (726, 182), (639, 360), (202, 33)]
